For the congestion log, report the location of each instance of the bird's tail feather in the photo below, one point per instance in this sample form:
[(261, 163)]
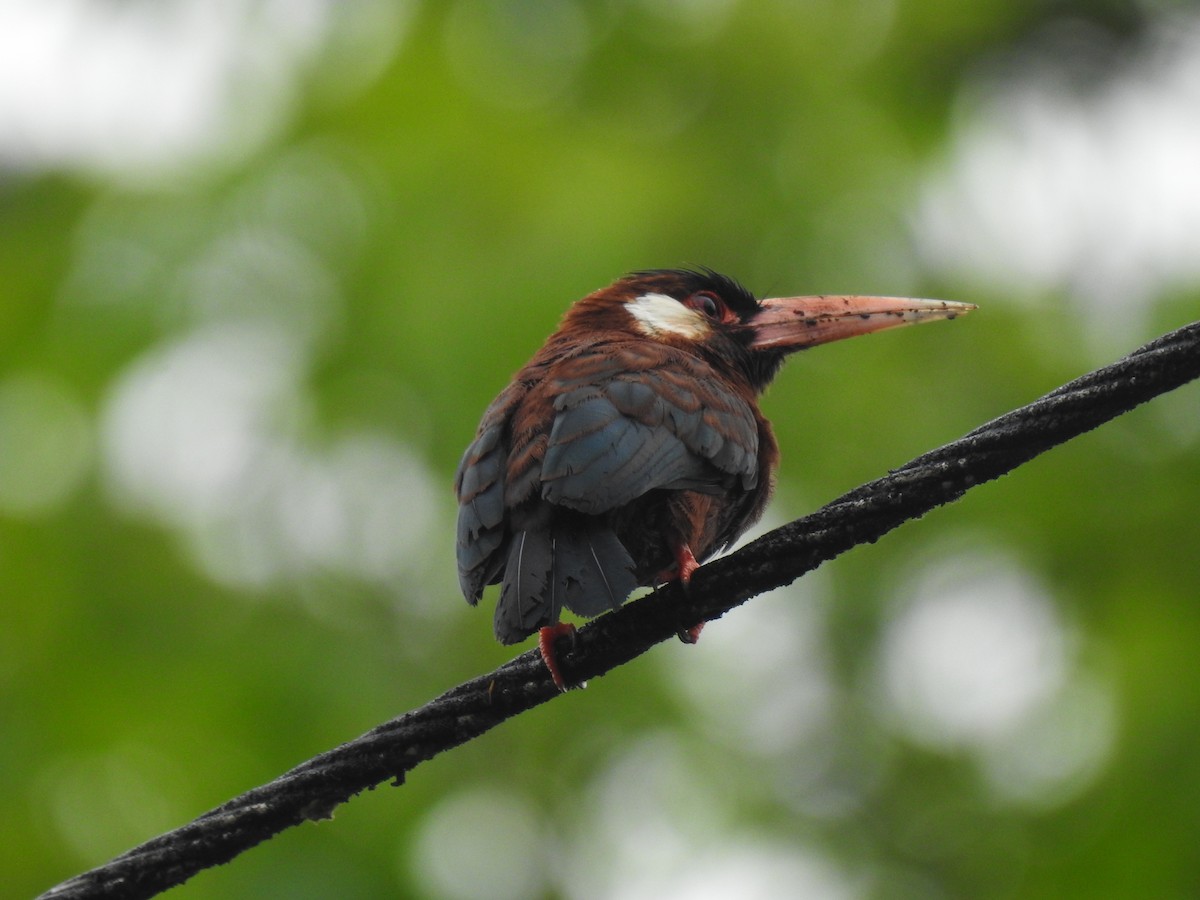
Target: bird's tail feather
[(584, 568)]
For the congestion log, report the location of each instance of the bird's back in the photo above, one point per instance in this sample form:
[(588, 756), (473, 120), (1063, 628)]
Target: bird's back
[(593, 467)]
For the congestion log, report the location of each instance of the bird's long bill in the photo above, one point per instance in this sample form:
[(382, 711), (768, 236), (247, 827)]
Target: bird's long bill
[(793, 323)]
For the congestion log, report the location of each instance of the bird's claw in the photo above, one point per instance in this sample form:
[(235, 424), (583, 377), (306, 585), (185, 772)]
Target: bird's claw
[(685, 565), (546, 638)]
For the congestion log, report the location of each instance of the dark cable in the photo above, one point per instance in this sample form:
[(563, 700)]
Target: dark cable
[(388, 752)]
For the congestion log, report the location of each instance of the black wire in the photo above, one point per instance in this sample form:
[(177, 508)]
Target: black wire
[(312, 790)]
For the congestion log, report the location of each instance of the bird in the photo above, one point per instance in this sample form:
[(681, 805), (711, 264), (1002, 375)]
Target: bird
[(631, 448)]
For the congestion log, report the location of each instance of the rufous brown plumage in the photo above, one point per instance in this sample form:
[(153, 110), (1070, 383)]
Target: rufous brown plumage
[(631, 446)]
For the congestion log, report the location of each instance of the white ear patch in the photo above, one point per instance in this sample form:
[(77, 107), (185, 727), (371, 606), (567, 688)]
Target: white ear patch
[(656, 314)]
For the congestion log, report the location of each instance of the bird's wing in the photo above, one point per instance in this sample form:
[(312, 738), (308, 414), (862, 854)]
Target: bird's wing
[(479, 484), (593, 431), (630, 418)]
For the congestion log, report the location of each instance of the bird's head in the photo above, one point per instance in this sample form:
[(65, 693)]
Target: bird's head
[(713, 315)]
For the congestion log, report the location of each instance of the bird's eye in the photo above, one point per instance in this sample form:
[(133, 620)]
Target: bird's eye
[(706, 303)]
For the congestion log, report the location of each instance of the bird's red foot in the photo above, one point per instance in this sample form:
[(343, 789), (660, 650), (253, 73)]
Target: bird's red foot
[(546, 638), (681, 571), (685, 566)]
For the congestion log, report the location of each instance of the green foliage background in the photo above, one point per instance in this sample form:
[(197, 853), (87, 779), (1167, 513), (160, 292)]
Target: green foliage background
[(396, 247)]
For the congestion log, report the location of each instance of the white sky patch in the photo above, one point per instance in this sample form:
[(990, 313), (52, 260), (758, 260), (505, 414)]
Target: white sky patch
[(1093, 191), (973, 649), (977, 658), (206, 435), (645, 813), (138, 90), (654, 826), (185, 422), (659, 314), (750, 868), (1055, 753), (482, 842)]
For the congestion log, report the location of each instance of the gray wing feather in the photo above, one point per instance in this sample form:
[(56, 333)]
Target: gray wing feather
[(583, 568), (613, 441), (479, 483)]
